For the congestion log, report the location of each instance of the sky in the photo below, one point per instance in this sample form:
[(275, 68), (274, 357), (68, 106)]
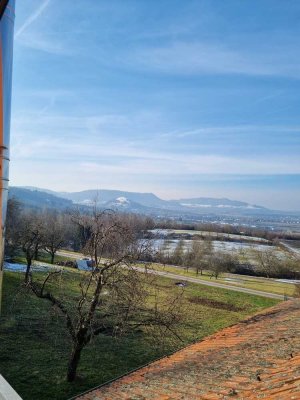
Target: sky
[(180, 98)]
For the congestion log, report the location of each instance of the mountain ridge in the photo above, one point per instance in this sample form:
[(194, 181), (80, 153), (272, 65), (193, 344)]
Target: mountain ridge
[(147, 199), (198, 209)]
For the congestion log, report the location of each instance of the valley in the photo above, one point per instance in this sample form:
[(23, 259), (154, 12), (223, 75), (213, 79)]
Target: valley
[(196, 210)]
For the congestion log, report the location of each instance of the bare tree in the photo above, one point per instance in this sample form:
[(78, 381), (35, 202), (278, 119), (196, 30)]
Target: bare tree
[(199, 255), (163, 255), (266, 260), (13, 221), (54, 233), (220, 262), (178, 254), (31, 238), (114, 295)]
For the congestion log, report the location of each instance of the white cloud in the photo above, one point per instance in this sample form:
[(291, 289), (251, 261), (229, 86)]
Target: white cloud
[(235, 130), (46, 40), (33, 17), (193, 58), (102, 156), (110, 143), (45, 44)]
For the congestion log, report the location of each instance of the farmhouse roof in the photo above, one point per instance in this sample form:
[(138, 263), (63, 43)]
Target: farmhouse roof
[(257, 358)]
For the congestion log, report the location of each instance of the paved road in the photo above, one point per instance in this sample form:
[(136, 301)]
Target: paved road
[(215, 284), (181, 278)]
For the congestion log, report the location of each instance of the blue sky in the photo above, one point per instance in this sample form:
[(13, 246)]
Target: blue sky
[(182, 98)]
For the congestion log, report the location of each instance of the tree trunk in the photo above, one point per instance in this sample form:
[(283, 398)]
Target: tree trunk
[(27, 273), (52, 258), (36, 253), (73, 363)]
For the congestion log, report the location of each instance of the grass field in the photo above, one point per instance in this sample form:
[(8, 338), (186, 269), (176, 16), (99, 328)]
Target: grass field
[(43, 257), (35, 345), (250, 282)]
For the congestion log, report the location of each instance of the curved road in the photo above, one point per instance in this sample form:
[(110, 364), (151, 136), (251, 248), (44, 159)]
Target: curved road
[(181, 278)]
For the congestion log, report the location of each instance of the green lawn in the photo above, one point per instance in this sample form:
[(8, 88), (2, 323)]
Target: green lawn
[(35, 345), (245, 281), (43, 257)]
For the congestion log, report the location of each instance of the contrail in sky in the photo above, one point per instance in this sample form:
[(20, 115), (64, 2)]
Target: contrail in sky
[(32, 18)]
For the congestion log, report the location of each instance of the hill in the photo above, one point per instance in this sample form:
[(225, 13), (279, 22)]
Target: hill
[(39, 199)]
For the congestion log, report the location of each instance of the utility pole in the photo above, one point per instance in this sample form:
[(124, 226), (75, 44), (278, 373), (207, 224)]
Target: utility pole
[(7, 16)]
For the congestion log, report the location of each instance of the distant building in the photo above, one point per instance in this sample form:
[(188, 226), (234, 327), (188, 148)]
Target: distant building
[(7, 15)]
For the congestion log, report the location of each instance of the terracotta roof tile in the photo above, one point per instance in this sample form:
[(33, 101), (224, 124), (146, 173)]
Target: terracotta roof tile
[(258, 358)]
